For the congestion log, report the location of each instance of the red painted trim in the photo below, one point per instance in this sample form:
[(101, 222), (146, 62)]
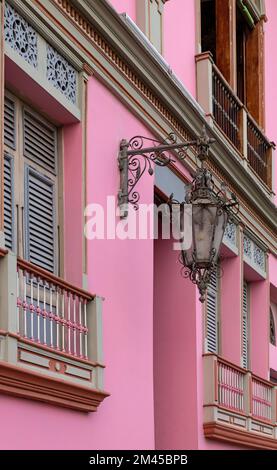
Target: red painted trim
[(24, 383), (49, 277), (263, 381), (244, 438), (51, 350), (241, 413), (51, 364), (227, 363), (225, 408), (3, 252)]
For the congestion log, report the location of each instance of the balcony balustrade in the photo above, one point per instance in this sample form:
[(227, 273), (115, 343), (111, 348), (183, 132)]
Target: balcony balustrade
[(51, 312), (238, 406), (50, 337), (228, 113)]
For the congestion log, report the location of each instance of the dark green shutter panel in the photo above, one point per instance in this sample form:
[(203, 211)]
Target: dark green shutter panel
[(40, 142), (40, 220), (212, 315), (8, 202), (245, 326), (9, 123)]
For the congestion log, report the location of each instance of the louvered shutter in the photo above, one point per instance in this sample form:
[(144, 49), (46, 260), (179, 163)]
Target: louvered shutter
[(245, 326), (8, 202), (40, 220), (212, 315), (40, 141), (9, 123)]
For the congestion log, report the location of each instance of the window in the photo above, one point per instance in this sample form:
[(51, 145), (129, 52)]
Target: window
[(212, 316), (242, 32), (245, 326), (208, 27), (272, 328), (31, 185), (234, 36), (150, 20)]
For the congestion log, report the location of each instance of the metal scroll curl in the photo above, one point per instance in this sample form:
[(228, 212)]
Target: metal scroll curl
[(136, 158)]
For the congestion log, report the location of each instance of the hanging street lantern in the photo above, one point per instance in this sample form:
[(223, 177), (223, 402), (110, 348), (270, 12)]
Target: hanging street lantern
[(210, 209)]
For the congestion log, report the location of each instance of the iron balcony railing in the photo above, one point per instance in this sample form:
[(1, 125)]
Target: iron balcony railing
[(218, 99)]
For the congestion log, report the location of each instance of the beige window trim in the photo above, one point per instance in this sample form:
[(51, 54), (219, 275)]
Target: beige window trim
[(150, 20)]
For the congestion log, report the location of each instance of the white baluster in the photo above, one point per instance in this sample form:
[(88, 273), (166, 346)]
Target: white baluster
[(44, 313), (38, 307), (50, 317), (57, 315), (86, 333), (74, 326), (63, 325), (69, 322), (25, 303), (80, 323), (32, 307)]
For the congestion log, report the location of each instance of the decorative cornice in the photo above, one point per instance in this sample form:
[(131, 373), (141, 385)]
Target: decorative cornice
[(23, 383), (108, 33), (231, 435)]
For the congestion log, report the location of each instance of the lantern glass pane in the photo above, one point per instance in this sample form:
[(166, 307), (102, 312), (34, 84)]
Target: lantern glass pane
[(204, 217), (221, 222)]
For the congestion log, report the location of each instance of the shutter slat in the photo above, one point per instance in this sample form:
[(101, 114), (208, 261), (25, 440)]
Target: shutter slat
[(8, 202), (40, 220), (212, 315), (9, 123), (40, 142), (245, 326)]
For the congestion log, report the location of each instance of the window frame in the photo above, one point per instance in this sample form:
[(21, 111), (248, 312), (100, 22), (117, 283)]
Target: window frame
[(20, 163)]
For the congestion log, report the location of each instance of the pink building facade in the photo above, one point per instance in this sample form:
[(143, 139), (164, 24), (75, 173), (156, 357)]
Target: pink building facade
[(103, 344)]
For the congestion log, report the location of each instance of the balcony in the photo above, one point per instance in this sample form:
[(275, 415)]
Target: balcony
[(50, 337), (238, 406), (229, 115)]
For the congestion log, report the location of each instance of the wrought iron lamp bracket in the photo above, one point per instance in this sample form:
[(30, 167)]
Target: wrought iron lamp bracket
[(135, 159)]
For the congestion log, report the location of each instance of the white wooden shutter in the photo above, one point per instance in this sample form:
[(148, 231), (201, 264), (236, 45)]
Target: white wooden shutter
[(40, 141), (212, 315), (8, 202), (245, 326), (40, 220), (9, 123)]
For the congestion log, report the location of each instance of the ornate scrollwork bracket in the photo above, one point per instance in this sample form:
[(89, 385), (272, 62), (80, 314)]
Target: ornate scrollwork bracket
[(135, 159)]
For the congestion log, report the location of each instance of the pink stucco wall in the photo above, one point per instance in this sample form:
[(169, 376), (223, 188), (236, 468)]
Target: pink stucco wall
[(167, 379), (179, 40), (73, 203), (175, 368), (178, 361), (259, 328), (121, 271), (125, 6)]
